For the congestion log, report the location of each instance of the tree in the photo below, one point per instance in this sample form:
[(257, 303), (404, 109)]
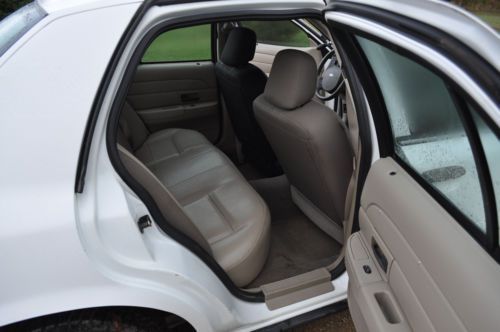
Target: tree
[(479, 5)]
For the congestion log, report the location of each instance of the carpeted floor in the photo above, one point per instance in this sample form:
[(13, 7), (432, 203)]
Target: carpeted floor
[(297, 244)]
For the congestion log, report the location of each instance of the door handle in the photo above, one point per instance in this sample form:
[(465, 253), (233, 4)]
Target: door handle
[(190, 97), (379, 255)]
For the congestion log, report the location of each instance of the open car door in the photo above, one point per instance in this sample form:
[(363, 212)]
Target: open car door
[(426, 255)]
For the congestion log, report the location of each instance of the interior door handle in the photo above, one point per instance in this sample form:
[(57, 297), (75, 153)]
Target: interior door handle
[(190, 97), (379, 255)]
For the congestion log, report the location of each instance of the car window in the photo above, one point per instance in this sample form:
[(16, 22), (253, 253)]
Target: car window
[(490, 143), (282, 33), (17, 24), (428, 133), (181, 45)]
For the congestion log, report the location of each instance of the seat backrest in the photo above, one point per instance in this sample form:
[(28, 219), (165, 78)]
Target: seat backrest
[(309, 139), (132, 132), (167, 204), (240, 83)]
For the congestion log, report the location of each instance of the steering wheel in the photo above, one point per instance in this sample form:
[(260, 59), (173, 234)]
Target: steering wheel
[(330, 77)]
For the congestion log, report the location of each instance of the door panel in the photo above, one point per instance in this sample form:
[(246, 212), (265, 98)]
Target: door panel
[(438, 278), (179, 94), (265, 53)]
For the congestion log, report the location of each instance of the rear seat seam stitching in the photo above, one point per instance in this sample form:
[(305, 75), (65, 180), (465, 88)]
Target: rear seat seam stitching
[(219, 209), (249, 252), (155, 162), (262, 233), (193, 176), (179, 152), (150, 150)]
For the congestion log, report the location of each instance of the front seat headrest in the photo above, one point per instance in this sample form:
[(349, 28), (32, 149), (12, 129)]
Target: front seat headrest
[(239, 48), (292, 81)]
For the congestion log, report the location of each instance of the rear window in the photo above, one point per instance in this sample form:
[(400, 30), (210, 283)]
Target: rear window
[(17, 24), (181, 45)]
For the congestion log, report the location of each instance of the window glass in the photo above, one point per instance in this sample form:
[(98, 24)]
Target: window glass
[(282, 33), (428, 133), (184, 44), (491, 146), (17, 24)]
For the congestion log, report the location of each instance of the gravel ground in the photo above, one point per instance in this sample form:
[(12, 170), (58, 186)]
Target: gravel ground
[(338, 322)]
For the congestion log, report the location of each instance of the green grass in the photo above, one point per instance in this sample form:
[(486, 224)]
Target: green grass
[(193, 43), (283, 33), (186, 44), (492, 18), (298, 39)]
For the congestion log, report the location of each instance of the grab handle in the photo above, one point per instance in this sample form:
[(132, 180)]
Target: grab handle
[(379, 255)]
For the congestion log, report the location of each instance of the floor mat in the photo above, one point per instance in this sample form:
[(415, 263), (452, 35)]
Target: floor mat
[(297, 244)]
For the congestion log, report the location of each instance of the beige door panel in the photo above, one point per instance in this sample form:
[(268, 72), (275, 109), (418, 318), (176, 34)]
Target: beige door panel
[(437, 277), (182, 95), (265, 53)]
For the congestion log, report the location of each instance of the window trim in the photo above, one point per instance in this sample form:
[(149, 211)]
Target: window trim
[(40, 15), (375, 98), (484, 173)]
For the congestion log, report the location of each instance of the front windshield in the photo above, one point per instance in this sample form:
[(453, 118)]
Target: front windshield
[(17, 24)]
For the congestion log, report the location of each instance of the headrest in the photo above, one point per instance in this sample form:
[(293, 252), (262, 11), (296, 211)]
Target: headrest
[(239, 48), (292, 81)]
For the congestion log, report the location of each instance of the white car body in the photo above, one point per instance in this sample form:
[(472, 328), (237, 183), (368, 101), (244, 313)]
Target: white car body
[(63, 251), (68, 271)]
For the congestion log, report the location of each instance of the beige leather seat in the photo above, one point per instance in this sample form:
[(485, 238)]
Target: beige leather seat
[(309, 139), (200, 192)]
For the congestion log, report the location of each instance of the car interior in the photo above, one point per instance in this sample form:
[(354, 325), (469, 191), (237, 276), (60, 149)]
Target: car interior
[(249, 147)]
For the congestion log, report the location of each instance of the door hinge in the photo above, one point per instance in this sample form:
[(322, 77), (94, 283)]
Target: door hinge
[(144, 222)]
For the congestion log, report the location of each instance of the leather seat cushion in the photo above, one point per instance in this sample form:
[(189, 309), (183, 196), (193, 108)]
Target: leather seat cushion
[(228, 212)]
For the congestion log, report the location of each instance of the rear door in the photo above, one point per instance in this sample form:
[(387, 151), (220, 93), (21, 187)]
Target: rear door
[(175, 84), (426, 255)]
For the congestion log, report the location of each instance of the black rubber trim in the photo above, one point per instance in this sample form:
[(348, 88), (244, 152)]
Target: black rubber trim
[(112, 127), (83, 157), (468, 59), (382, 123), (342, 43), (485, 179), (367, 83), (213, 49), (306, 318), (176, 61)]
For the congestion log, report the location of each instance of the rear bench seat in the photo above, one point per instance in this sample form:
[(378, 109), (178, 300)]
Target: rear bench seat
[(200, 192)]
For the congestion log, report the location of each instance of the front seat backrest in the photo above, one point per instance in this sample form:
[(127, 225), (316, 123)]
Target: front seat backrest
[(309, 139), (240, 83)]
